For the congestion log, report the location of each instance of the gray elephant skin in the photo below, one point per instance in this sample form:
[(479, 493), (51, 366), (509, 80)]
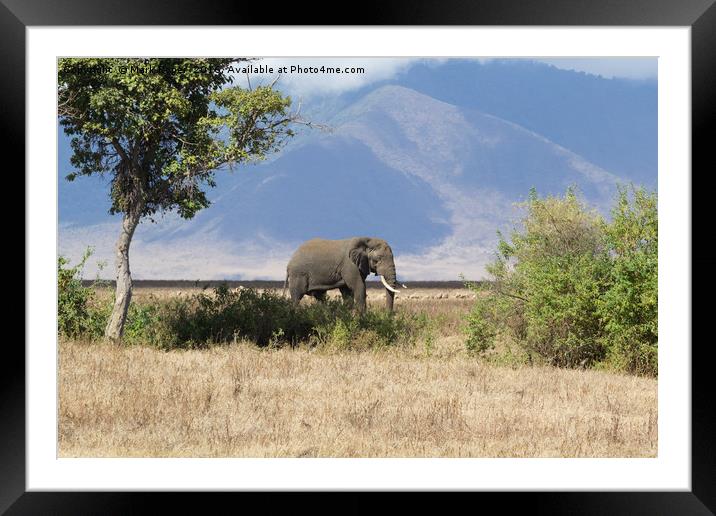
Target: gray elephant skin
[(320, 265)]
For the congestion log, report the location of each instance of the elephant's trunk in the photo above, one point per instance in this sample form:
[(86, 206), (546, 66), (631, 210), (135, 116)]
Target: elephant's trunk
[(390, 283), (389, 297)]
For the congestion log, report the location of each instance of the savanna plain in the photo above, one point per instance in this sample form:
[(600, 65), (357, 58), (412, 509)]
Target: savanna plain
[(429, 398)]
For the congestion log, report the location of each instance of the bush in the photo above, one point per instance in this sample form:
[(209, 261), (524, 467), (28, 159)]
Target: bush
[(225, 315), (486, 318), (143, 320), (229, 315), (629, 307), (572, 289), (78, 316), (375, 329)]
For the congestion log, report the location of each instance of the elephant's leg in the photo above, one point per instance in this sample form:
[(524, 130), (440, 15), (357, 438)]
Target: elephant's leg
[(355, 283), (320, 295), (347, 295), (296, 296), (359, 297), (297, 287)]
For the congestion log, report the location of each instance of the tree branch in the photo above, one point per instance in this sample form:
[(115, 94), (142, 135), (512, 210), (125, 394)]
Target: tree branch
[(515, 296), (65, 104), (119, 149)]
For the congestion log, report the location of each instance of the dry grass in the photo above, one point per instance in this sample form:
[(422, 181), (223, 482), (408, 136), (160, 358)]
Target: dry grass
[(240, 401)]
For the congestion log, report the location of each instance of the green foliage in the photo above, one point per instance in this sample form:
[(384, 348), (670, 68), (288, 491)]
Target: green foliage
[(343, 329), (488, 313), (161, 127), (225, 315), (143, 319), (229, 315), (427, 327), (572, 289), (629, 307), (77, 315)]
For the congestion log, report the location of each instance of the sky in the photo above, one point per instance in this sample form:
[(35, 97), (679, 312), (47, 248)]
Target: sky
[(306, 85), (624, 67)]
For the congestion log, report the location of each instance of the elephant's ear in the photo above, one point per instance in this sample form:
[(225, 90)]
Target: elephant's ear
[(360, 258)]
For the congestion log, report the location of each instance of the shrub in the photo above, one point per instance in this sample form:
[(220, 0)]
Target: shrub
[(572, 289), (546, 280), (629, 307), (143, 321), (265, 318), (484, 321), (223, 316), (374, 329), (77, 313)]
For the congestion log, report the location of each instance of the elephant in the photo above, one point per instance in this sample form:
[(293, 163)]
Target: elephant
[(320, 265)]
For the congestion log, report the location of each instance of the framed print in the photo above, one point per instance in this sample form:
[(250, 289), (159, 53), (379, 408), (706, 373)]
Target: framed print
[(496, 168)]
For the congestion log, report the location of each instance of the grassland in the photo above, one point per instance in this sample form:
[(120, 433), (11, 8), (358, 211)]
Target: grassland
[(431, 399)]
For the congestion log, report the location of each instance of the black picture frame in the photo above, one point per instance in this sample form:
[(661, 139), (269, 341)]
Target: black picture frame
[(700, 15)]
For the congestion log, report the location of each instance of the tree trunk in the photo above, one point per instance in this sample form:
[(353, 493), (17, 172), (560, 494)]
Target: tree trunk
[(123, 292)]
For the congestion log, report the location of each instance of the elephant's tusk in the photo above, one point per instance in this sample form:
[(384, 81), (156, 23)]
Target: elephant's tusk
[(403, 285), (385, 284)]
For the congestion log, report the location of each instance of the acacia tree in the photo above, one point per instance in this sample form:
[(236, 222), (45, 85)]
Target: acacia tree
[(160, 128)]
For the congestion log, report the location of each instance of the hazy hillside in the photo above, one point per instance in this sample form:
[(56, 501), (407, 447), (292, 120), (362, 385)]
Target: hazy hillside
[(610, 122)]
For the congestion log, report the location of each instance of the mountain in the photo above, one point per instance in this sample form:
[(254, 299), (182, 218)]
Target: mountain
[(609, 122), (435, 179)]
